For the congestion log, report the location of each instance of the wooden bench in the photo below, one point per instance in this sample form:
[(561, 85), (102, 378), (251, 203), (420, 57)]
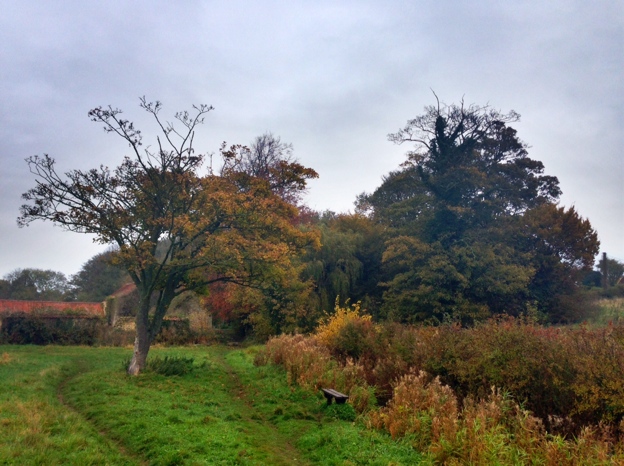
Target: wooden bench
[(331, 394)]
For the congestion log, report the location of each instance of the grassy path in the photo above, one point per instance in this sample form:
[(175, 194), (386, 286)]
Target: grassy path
[(35, 426), (267, 436), (78, 366), (71, 405)]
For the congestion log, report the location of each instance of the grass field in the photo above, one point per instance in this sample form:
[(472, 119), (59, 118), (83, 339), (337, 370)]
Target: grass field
[(75, 405)]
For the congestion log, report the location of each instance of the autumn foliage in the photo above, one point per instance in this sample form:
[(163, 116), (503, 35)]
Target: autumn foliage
[(344, 331), (176, 227), (507, 390)]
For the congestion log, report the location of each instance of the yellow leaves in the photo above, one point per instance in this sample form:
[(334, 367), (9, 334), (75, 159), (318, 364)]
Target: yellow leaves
[(330, 327)]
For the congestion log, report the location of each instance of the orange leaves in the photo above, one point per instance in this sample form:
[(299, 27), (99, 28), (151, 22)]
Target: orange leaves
[(420, 406)]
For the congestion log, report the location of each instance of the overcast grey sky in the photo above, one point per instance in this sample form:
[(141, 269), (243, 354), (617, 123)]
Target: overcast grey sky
[(331, 77)]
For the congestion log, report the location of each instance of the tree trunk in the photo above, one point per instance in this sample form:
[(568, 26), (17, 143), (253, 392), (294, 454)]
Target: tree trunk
[(147, 331), (142, 340)]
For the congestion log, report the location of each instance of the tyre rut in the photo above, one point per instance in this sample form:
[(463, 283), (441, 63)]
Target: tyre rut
[(286, 451), (79, 367)]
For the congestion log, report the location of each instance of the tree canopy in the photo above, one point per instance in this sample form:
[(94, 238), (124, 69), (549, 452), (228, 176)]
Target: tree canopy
[(475, 225), (35, 285), (272, 160), (467, 227), (467, 169), (98, 278), (176, 229)]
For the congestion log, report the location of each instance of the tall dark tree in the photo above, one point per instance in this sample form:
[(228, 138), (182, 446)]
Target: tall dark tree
[(334, 267), (5, 289), (176, 229), (563, 247), (467, 169), (454, 209)]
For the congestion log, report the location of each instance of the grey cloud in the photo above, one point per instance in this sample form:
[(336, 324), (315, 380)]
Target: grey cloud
[(331, 77)]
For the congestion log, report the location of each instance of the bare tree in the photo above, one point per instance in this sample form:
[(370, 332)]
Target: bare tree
[(272, 160)]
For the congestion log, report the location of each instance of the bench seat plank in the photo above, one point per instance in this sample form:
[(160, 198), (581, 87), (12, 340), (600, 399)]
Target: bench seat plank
[(331, 394)]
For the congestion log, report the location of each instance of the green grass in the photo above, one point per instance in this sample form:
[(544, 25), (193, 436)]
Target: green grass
[(610, 310), (35, 425), (75, 405)]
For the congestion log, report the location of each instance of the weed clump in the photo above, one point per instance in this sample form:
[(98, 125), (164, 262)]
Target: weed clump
[(170, 365), (167, 366), (310, 365), (422, 407), (344, 412)]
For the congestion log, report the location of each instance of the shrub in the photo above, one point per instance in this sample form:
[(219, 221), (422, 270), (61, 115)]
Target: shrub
[(528, 361), (493, 430), (167, 366), (362, 398), (306, 362), (598, 386), (399, 349), (310, 365), (351, 339), (345, 333), (421, 407), (175, 332), (528, 394), (44, 330)]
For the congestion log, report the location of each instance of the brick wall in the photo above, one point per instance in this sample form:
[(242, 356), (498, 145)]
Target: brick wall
[(52, 308)]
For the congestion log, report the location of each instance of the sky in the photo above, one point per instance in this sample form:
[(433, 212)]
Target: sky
[(333, 78)]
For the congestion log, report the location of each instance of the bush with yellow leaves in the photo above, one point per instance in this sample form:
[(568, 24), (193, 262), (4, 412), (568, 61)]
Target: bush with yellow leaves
[(346, 333)]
